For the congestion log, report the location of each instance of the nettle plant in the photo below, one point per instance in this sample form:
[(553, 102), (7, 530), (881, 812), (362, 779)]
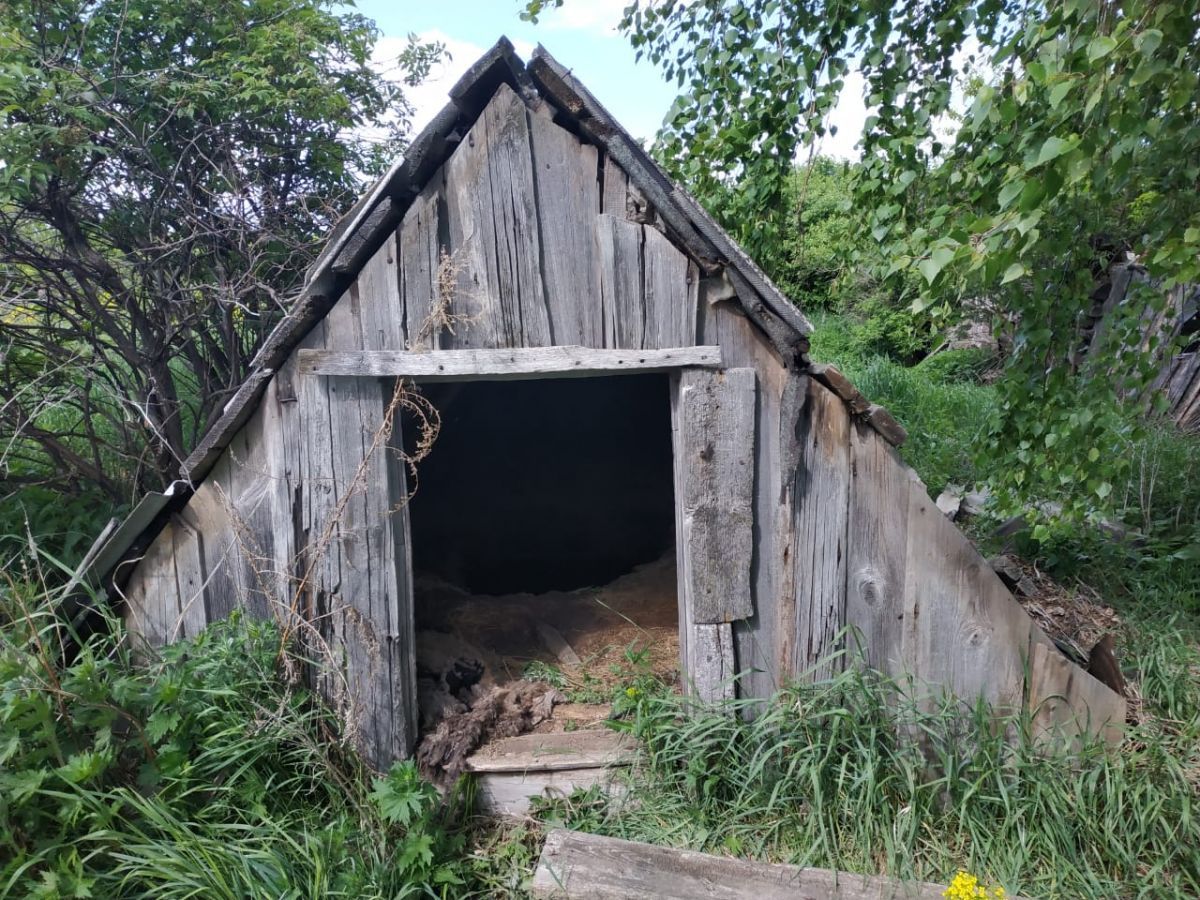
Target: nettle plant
[(1004, 137)]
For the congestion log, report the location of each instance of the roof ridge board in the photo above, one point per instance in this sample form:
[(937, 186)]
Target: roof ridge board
[(543, 64)]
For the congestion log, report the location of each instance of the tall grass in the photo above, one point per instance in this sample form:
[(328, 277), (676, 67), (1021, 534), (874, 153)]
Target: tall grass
[(829, 775), (201, 772)]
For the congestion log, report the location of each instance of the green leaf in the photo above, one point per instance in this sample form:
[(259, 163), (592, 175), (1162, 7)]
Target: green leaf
[(933, 265), (1059, 92), (1100, 47), (1009, 192), (1103, 490), (1013, 272), (1053, 148)]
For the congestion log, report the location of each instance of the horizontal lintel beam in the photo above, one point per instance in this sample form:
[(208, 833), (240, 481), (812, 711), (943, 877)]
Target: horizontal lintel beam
[(532, 362)]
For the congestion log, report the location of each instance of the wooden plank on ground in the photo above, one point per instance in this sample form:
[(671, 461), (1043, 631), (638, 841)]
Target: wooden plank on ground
[(549, 752), (501, 365), (877, 545), (821, 492), (716, 446), (509, 793), (578, 866)]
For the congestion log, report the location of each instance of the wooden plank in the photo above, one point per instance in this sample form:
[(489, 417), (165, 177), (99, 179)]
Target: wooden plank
[(420, 256), (550, 752), (208, 514), (877, 545), (615, 193), (493, 231), (668, 298), (509, 793), (717, 414), (619, 250), (963, 633), (568, 200), (502, 365), (378, 286), (1066, 702), (578, 866), (151, 594), (711, 663), (821, 496), (189, 577)]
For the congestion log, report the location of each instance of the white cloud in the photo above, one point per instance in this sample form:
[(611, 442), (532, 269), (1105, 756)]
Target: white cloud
[(599, 16), (431, 95)]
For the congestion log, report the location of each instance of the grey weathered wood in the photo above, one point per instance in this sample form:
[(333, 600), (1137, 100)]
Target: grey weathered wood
[(877, 544), (189, 578), (208, 513), (821, 492), (716, 446), (711, 663), (1066, 702), (619, 254), (963, 633), (887, 426), (378, 287), (495, 365), (509, 794), (668, 298), (493, 228), (615, 193), (366, 237), (578, 866), (151, 594), (420, 257), (568, 201), (550, 752)]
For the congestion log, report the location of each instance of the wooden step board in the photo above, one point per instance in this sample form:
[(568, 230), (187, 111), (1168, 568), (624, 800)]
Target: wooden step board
[(576, 866), (510, 771)]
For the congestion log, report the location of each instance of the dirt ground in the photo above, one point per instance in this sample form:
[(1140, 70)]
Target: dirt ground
[(588, 635)]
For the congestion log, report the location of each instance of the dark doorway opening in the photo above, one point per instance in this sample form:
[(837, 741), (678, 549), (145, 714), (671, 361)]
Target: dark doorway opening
[(542, 530), (545, 484)]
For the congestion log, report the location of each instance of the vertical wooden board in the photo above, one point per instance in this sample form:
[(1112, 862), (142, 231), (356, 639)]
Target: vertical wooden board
[(877, 545), (821, 490), (716, 434), (710, 664), (619, 259), (373, 630), (669, 299), (493, 230), (251, 514), (319, 490), (151, 594), (568, 201), (379, 299), (420, 257), (614, 197), (401, 637), (208, 511), (189, 577), (963, 633), (1066, 702)]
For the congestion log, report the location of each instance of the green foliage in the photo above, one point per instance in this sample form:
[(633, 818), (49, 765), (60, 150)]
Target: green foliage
[(826, 775), (165, 173), (1075, 119), (202, 772), (947, 417)]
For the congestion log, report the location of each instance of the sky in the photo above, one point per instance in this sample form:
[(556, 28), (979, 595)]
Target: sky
[(582, 35)]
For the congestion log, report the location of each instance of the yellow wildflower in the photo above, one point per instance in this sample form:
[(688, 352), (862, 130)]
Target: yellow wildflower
[(966, 886)]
